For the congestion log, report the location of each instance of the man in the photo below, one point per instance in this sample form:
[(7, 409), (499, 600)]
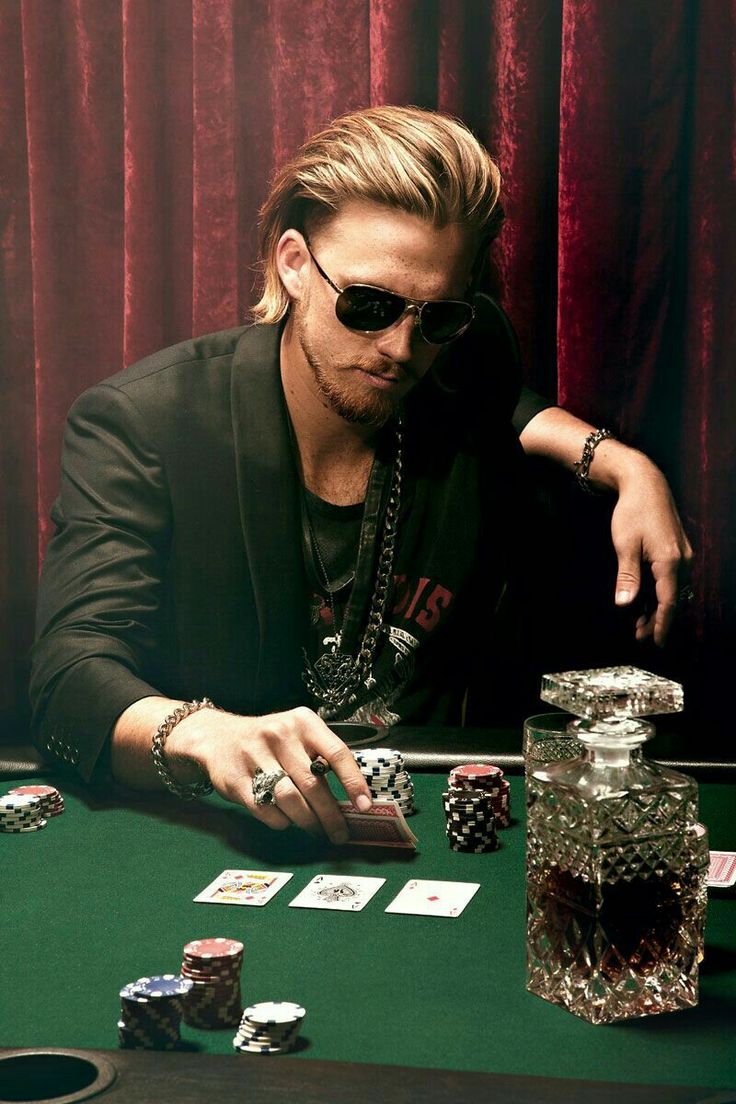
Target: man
[(312, 517)]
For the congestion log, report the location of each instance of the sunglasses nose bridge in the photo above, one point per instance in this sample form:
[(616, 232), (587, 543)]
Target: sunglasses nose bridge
[(411, 308), (414, 309)]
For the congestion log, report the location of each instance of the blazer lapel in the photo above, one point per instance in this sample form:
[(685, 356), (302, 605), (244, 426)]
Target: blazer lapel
[(270, 512)]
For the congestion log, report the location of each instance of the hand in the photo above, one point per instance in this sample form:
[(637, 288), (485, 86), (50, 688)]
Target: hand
[(230, 748), (646, 528)]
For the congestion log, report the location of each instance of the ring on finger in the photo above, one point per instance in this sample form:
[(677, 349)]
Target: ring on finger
[(264, 784)]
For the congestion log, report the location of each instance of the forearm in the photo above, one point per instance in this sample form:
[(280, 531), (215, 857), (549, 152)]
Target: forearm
[(559, 436), (131, 760)]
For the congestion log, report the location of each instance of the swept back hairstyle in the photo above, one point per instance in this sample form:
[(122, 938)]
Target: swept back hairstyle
[(421, 162)]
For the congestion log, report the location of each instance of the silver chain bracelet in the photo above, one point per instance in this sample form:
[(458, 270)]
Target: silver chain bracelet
[(189, 790), (582, 466)]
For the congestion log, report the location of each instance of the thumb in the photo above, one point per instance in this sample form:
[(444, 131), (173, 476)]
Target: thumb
[(628, 579)]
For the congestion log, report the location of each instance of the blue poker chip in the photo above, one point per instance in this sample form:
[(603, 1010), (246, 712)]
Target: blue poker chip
[(161, 986), (130, 993)]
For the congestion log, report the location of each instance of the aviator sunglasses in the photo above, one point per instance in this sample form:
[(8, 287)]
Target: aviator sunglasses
[(370, 309)]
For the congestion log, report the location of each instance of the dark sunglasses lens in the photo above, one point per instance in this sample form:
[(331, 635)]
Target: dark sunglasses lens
[(442, 321), (364, 308)]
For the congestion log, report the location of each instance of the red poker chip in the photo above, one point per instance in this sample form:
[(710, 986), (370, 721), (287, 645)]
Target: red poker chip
[(213, 949), (214, 983), (475, 771), (212, 965), (37, 791)]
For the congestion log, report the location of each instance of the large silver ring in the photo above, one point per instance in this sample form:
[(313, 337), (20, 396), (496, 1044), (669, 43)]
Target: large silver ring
[(685, 594), (264, 783)]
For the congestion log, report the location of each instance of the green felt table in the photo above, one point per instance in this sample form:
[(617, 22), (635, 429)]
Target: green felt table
[(104, 895)]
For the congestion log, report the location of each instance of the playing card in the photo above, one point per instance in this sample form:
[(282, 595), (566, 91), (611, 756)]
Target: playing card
[(332, 891), (243, 887), (426, 898), (722, 869), (382, 826)]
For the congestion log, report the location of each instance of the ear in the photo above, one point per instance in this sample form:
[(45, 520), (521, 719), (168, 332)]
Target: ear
[(292, 263)]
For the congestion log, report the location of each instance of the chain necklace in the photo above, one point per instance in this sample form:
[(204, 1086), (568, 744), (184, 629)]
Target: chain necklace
[(335, 675)]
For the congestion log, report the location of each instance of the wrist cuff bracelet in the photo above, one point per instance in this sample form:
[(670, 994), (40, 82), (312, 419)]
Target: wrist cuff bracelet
[(582, 466), (187, 791)]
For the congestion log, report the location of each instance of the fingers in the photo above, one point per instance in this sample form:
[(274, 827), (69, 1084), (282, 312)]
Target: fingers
[(309, 801), (288, 742), (657, 623), (293, 802), (342, 761), (666, 575), (628, 578), (646, 530), (316, 738), (233, 780)]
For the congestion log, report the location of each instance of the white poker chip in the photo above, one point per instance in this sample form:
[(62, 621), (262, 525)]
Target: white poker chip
[(381, 755), (18, 803), (274, 1012)]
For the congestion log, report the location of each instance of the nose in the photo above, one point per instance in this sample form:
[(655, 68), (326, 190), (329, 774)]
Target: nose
[(398, 341)]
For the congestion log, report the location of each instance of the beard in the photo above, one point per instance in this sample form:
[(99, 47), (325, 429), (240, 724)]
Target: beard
[(354, 405)]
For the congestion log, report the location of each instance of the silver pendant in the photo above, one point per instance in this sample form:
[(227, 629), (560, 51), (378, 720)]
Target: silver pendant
[(331, 677)]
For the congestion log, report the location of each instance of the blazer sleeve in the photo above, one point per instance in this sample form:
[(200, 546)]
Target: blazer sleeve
[(529, 405), (101, 585), (492, 346)]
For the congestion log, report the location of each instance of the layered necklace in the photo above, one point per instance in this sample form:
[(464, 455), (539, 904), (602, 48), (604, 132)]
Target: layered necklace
[(335, 676)]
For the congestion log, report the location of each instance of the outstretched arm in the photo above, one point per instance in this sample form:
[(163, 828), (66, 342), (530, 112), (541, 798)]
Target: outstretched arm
[(645, 526)]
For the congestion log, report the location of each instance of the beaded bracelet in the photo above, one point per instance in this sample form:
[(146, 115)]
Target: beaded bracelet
[(189, 790), (582, 466)]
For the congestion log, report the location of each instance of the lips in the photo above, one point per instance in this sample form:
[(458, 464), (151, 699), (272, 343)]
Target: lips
[(382, 378)]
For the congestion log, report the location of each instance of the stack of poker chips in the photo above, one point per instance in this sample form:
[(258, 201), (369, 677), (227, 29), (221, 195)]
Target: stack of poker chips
[(150, 1012), (383, 770), (488, 779), (269, 1028), (52, 803), (471, 825), (213, 968), (21, 813)]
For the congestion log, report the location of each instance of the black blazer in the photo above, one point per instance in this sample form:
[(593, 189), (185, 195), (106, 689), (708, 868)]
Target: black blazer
[(176, 567)]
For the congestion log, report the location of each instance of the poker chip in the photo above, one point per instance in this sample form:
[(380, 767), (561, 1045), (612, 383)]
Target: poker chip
[(383, 770), (375, 756), (476, 772), (36, 827), (21, 813), (274, 1012), (151, 1011), (52, 803), (213, 967), (471, 785), (271, 1027), (210, 950), (475, 805), (162, 986)]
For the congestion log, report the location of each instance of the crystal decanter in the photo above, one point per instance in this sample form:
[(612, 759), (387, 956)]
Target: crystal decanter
[(616, 868)]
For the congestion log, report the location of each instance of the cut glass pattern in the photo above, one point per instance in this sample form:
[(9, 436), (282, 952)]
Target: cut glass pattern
[(612, 692)]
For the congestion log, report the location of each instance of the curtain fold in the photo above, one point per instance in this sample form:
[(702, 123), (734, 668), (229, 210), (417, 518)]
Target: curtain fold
[(139, 137)]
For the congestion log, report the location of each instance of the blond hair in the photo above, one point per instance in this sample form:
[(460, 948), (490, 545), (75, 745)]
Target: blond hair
[(417, 161)]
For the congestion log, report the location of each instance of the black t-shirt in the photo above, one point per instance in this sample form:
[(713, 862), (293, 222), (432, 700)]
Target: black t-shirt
[(459, 539)]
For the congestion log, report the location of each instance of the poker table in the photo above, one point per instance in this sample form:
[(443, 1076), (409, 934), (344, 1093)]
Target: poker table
[(399, 1008)]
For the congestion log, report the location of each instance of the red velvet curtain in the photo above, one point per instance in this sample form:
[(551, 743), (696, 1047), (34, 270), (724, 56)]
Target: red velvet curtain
[(138, 137)]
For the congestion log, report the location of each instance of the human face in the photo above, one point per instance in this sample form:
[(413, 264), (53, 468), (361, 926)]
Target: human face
[(364, 377)]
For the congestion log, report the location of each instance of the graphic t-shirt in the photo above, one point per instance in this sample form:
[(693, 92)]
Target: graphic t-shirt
[(459, 539)]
